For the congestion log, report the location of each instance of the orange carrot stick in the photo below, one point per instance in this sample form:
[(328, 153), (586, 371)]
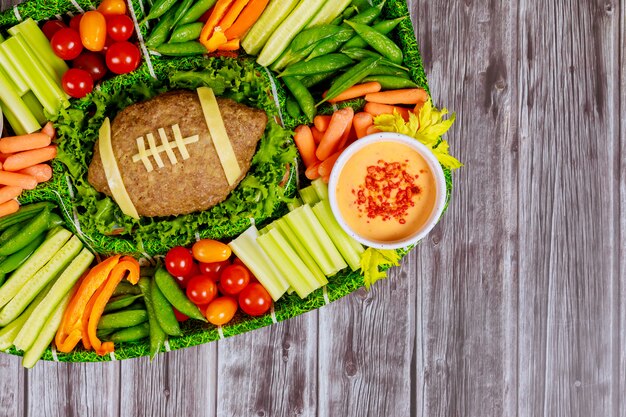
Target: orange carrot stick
[(358, 90), (340, 120), (4, 156), (232, 14), (9, 193), (376, 109), (373, 129), (327, 166), (29, 158), (321, 122), (48, 129), (21, 143), (41, 172), (9, 207), (402, 96), (231, 45), (312, 172), (418, 107), (246, 19), (306, 145), (15, 179), (361, 122), (219, 10), (317, 135)]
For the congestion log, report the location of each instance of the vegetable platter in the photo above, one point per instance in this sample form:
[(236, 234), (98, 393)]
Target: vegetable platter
[(131, 276)]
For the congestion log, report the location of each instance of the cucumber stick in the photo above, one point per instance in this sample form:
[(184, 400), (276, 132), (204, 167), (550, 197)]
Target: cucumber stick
[(36, 351), (61, 287), (328, 13), (34, 285), (288, 29), (37, 260), (274, 14)]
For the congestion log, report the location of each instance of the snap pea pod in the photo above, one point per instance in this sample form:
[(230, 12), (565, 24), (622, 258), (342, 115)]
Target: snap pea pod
[(124, 288), (346, 14), (175, 295), (360, 54), (379, 42), (131, 334), (24, 213), (120, 302), (188, 32), (162, 30), (164, 313), (351, 77), (122, 319), (55, 220), (389, 82), (311, 80), (390, 70), (304, 43), (385, 27), (322, 64), (157, 335), (3, 277), (302, 95), (181, 49), (13, 261), (35, 227), (137, 305), (104, 334), (10, 232), (181, 10), (293, 109), (196, 11), (159, 8)]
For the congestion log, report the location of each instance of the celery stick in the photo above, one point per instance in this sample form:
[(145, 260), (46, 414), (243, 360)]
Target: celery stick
[(12, 73), (288, 262), (19, 117), (61, 287), (32, 355), (294, 204), (11, 330), (263, 268), (309, 195), (349, 248), (1, 38), (328, 12), (320, 188), (38, 42), (292, 238), (34, 106), (274, 14)]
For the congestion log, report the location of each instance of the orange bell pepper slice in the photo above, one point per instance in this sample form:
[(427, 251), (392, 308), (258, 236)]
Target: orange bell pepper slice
[(220, 9), (85, 317), (231, 45)]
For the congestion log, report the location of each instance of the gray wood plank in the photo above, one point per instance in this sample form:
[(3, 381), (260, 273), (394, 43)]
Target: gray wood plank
[(620, 239), (568, 165), (11, 386), (270, 372), (466, 269)]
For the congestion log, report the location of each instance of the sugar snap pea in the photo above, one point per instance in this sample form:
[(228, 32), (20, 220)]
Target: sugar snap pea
[(157, 335), (11, 231), (120, 302), (389, 82), (13, 261), (139, 304), (162, 30), (122, 319), (382, 69), (313, 35), (381, 43), (35, 227), (302, 95), (159, 8), (330, 62), (188, 32), (24, 213), (196, 11), (131, 334), (164, 313), (293, 109), (311, 80), (104, 334), (126, 287), (55, 220), (181, 10), (350, 77), (385, 27), (175, 295), (181, 49)]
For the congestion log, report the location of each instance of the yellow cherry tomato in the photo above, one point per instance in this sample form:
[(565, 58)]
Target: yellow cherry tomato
[(221, 310), (208, 250), (112, 7), (93, 31)]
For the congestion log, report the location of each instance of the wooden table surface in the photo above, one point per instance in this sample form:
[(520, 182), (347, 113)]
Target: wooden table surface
[(515, 303)]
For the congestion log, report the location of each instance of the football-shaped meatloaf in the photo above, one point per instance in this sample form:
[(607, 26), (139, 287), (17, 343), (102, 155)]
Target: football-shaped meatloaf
[(188, 185)]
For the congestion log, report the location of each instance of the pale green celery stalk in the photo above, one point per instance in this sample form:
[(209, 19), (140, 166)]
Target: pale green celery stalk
[(36, 39), (36, 351), (349, 248), (288, 262), (10, 331), (328, 12), (12, 73), (320, 188), (49, 94), (313, 237), (34, 106), (309, 195), (263, 268), (275, 12), (19, 116), (1, 38), (292, 238), (294, 204)]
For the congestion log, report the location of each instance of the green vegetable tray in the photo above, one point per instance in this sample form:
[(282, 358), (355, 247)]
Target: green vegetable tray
[(88, 214)]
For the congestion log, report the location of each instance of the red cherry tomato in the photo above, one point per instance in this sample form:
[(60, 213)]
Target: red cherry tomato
[(221, 310), (112, 7), (92, 63), (66, 44), (123, 57), (77, 82), (201, 290), (233, 279), (51, 27), (184, 280), (75, 22), (107, 44), (238, 261), (93, 30), (212, 269), (120, 27), (180, 316), (179, 261), (208, 250), (255, 300)]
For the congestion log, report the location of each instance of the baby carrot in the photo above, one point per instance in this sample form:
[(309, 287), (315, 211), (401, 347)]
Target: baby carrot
[(358, 90), (312, 172), (21, 143), (9, 193), (246, 19), (29, 158), (321, 122), (317, 135), (48, 129), (18, 180), (9, 207), (376, 109), (345, 136), (339, 121), (418, 107), (402, 96), (372, 129), (41, 172), (306, 145), (361, 122), (327, 166), (4, 156)]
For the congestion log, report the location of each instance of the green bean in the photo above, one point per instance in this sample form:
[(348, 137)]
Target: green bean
[(350, 78), (119, 302), (170, 289), (293, 109), (12, 262), (196, 11), (389, 82), (164, 313), (158, 9), (302, 95), (379, 42), (157, 335), (126, 287), (181, 49), (131, 334), (322, 64), (35, 227), (385, 27), (188, 32), (162, 30), (24, 213), (122, 319)]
